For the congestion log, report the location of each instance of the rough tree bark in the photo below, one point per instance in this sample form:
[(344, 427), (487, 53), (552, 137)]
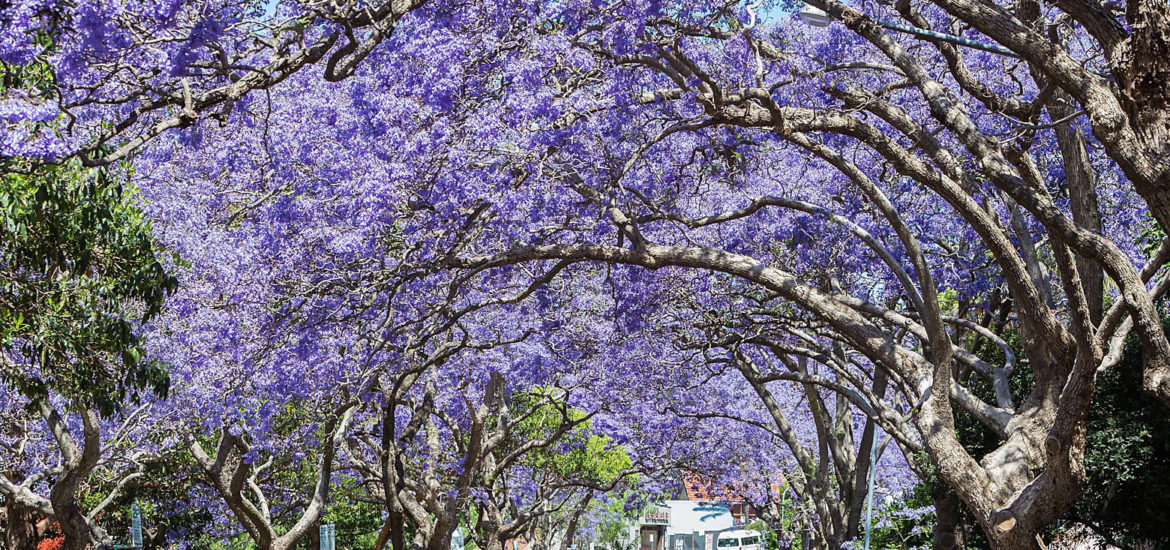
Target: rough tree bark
[(20, 526), (232, 476), (947, 531)]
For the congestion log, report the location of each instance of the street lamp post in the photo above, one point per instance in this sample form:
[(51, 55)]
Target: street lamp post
[(869, 495), (817, 17)]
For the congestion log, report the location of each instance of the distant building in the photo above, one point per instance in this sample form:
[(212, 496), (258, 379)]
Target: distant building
[(692, 520), (681, 525), (703, 489)]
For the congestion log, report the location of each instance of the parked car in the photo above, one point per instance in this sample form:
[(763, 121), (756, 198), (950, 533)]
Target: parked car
[(739, 539)]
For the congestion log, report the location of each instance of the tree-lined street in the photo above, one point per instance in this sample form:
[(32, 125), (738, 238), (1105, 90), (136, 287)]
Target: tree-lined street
[(421, 275)]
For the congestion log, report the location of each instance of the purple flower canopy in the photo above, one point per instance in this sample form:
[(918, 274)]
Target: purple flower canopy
[(426, 251)]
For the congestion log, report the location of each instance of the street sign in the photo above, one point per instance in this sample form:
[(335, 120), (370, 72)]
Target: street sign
[(328, 537), (135, 531), (135, 526), (656, 516)]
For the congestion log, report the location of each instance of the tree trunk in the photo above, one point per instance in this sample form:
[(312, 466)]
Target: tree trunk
[(383, 536), (444, 530), (314, 537), (1016, 541), (947, 535), (494, 542), (819, 541), (79, 534), (20, 532), (393, 476), (571, 528), (1086, 208)]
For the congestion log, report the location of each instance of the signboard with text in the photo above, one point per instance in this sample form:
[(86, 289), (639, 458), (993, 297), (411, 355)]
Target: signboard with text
[(657, 516)]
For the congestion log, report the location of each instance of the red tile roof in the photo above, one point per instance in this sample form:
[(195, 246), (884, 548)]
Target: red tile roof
[(699, 487)]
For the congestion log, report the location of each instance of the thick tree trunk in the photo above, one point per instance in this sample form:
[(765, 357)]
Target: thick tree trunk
[(820, 540), (947, 535), (444, 530), (1145, 82), (78, 534), (1032, 481), (313, 537), (393, 481), (383, 536), (1020, 541), (397, 526), (20, 530), (494, 542)]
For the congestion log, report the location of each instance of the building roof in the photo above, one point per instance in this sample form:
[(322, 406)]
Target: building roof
[(699, 487)]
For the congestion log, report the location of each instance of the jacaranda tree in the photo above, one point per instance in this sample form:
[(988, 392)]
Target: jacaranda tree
[(367, 195)]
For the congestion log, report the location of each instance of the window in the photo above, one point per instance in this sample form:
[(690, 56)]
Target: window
[(748, 541), (728, 543)]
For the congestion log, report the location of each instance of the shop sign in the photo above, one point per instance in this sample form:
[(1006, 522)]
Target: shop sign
[(657, 516)]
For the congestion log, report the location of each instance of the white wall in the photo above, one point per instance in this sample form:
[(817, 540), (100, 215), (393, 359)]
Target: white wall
[(689, 516), (686, 517)]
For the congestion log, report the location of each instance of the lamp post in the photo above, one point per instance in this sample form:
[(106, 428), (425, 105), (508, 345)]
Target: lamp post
[(869, 494), (817, 17)]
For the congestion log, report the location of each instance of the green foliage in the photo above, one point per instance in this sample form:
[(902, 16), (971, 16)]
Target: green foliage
[(611, 531), (904, 524), (771, 537), (35, 78), (948, 301), (1151, 236), (1127, 457), (357, 522), (80, 268), (580, 454)]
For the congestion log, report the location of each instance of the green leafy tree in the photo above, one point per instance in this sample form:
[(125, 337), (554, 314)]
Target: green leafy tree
[(1127, 456), (80, 271), (571, 463), (580, 454)]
